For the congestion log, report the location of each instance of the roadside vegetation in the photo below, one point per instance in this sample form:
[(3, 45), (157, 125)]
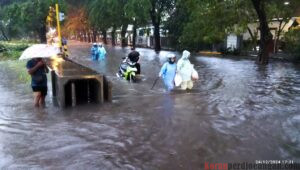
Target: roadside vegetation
[(292, 43), (9, 63), (12, 50)]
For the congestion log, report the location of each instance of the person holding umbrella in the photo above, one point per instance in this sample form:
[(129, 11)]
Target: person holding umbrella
[(36, 67)]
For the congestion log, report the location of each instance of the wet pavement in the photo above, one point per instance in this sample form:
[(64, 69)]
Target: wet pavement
[(238, 111)]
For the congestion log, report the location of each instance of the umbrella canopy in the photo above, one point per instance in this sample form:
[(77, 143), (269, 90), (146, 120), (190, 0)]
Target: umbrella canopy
[(39, 51)]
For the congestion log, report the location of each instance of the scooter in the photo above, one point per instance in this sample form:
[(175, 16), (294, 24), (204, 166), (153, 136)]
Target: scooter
[(128, 70)]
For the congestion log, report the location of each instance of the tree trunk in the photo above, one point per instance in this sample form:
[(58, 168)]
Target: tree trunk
[(123, 34), (265, 34), (253, 38), (277, 38), (104, 33), (81, 36), (113, 36), (42, 34), (85, 36), (157, 37), (134, 36), (94, 35), (89, 36), (3, 33), (156, 23)]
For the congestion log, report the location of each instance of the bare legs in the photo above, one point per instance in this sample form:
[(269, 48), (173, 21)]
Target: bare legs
[(39, 99)]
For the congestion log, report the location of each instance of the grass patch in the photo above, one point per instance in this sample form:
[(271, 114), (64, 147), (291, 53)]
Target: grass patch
[(12, 50), (16, 69), (10, 55)]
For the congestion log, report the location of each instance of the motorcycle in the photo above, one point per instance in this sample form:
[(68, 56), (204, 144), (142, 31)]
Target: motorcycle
[(130, 68)]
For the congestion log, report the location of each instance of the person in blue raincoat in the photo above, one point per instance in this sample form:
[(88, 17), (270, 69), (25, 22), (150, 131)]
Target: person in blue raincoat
[(94, 52), (168, 71), (101, 51)]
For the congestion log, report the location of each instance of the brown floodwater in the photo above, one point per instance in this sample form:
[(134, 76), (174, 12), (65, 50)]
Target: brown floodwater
[(238, 111)]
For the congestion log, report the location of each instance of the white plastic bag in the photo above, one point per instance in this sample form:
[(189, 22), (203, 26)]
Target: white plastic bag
[(177, 80), (195, 75)]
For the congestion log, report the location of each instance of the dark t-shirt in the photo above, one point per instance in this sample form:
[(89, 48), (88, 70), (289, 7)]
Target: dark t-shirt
[(38, 78)]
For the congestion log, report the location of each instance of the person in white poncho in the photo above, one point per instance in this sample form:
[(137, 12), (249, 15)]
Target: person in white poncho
[(185, 70)]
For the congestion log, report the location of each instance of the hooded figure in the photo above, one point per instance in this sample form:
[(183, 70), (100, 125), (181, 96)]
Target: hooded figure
[(185, 70), (130, 66), (168, 71), (134, 58), (94, 52), (101, 51)]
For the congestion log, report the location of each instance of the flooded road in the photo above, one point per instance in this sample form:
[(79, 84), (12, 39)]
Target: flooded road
[(238, 111)]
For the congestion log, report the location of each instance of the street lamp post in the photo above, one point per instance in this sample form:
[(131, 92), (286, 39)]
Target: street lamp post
[(58, 25)]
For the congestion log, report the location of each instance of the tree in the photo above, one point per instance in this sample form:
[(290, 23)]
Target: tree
[(2, 26), (137, 12), (265, 34), (209, 22), (77, 23), (292, 42), (105, 14), (124, 21), (11, 21), (25, 17), (33, 16), (113, 14), (281, 12), (159, 9), (176, 23), (7, 26), (97, 16)]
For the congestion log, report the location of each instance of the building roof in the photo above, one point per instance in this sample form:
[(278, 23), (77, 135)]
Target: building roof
[(295, 23)]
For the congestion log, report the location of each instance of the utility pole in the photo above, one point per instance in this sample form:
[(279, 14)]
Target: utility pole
[(58, 25)]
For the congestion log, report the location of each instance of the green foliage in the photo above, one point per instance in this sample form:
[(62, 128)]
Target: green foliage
[(9, 60), (26, 18), (16, 69), (276, 9), (10, 55), (12, 50), (292, 42), (103, 13), (209, 21), (107, 13), (176, 23), (138, 11), (195, 23), (11, 20), (162, 8), (75, 3)]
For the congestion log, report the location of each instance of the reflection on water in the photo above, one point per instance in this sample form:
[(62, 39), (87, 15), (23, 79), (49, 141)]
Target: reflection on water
[(238, 111)]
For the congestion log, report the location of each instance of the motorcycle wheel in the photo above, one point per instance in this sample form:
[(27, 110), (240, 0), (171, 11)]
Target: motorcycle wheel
[(132, 78)]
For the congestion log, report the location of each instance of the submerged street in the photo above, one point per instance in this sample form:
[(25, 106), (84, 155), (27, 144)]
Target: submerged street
[(238, 111)]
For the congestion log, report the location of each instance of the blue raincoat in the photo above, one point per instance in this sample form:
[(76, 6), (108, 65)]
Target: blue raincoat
[(102, 53), (167, 72), (95, 53)]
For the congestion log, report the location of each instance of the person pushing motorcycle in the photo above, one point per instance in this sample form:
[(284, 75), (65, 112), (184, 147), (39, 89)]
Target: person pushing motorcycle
[(130, 67)]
